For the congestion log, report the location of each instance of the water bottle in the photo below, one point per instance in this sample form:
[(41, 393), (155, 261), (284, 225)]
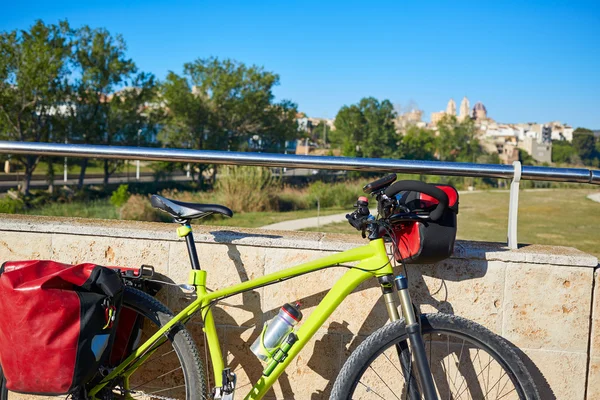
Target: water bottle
[(276, 330)]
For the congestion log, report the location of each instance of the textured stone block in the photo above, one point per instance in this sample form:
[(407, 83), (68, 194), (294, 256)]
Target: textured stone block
[(310, 375), (226, 265), (593, 389), (563, 371), (473, 289), (110, 251), (310, 289), (17, 246), (548, 307), (595, 337)]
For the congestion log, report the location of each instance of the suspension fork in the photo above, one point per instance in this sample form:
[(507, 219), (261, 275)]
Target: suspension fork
[(413, 328)]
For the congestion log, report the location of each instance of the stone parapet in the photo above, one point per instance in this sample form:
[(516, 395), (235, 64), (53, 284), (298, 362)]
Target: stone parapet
[(541, 298)]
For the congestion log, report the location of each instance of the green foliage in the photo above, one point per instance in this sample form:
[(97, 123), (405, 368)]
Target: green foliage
[(342, 194), (585, 146), (246, 189), (456, 141), (120, 196), (563, 152), (33, 76), (138, 208), (9, 205), (222, 104), (418, 144), (80, 209), (105, 114), (526, 158), (367, 129)]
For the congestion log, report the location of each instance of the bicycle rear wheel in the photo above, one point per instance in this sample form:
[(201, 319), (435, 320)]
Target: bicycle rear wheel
[(174, 370), (467, 361)]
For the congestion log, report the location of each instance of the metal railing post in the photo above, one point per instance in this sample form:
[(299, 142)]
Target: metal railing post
[(513, 206)]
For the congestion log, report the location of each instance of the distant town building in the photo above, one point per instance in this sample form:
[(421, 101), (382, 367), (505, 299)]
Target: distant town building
[(412, 117), (479, 111), (539, 150), (464, 109), (437, 117), (451, 107)]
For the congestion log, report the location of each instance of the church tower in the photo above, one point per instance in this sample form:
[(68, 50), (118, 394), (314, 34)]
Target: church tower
[(465, 108), (451, 108)]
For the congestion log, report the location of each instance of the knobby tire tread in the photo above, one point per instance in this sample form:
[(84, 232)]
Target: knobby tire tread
[(396, 331)]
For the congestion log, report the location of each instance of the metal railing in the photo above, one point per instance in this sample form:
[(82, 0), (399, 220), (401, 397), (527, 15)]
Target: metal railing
[(516, 172)]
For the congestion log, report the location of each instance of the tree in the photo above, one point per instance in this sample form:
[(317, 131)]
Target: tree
[(456, 141), (33, 79), (563, 152), (418, 144), (367, 129), (102, 67), (584, 144), (279, 126), (222, 104), (130, 118)]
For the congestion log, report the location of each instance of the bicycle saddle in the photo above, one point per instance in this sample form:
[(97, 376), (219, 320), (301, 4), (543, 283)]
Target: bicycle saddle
[(184, 211)]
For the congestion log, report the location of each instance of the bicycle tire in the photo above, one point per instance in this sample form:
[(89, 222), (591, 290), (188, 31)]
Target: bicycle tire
[(367, 353), (180, 339)]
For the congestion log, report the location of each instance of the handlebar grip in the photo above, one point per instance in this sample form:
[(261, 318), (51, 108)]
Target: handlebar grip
[(422, 187)]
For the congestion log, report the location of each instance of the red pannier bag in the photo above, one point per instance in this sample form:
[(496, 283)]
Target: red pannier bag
[(56, 324), (429, 241)]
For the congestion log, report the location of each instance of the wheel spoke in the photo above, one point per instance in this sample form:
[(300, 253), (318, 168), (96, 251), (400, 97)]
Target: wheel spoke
[(158, 377), (384, 382), (368, 389)]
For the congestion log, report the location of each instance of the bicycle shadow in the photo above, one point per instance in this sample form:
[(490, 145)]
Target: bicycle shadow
[(426, 292)]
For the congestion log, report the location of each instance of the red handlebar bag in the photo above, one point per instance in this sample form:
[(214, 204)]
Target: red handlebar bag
[(428, 241), (56, 324)]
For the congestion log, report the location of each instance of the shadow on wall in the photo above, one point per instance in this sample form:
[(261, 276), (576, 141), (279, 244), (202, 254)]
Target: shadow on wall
[(424, 296)]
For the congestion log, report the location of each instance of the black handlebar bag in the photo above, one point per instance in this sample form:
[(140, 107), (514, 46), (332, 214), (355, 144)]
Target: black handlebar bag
[(57, 324), (426, 242)]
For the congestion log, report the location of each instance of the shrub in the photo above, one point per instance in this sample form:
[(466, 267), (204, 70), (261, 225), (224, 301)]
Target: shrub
[(138, 208), (342, 194), (11, 206), (120, 196), (292, 199), (246, 189)]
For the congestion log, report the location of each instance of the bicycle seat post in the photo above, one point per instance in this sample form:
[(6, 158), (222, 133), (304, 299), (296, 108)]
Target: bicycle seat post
[(185, 230)]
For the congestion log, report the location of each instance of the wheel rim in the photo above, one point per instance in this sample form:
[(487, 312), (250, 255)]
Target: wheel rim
[(462, 368)]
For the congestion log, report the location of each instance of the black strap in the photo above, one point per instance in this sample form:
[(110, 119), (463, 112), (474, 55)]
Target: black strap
[(104, 280)]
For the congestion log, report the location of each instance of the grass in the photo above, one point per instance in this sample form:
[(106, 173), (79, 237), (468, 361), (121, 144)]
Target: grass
[(92, 209), (564, 217), (73, 167), (262, 218), (104, 210)]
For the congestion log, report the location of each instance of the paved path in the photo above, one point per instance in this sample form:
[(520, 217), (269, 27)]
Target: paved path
[(313, 222), (594, 197)]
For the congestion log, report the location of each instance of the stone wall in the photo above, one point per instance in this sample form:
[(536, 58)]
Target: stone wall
[(541, 298)]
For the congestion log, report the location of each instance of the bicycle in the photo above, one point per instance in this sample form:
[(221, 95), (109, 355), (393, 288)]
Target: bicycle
[(415, 356)]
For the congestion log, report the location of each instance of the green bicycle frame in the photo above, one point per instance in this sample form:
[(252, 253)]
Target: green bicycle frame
[(372, 260)]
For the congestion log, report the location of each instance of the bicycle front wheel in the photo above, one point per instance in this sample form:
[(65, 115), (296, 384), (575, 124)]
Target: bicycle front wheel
[(467, 361)]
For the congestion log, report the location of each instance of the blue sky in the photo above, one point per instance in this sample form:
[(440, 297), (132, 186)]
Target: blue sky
[(526, 61)]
